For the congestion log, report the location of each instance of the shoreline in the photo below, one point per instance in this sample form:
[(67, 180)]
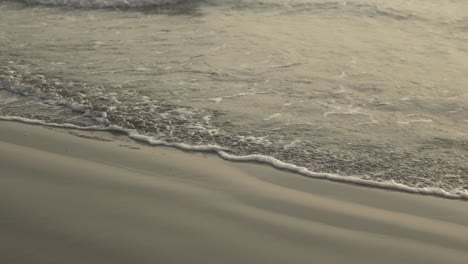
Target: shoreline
[(96, 197), (256, 159)]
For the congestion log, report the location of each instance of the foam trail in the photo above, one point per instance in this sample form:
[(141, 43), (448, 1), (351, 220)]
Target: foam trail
[(182, 146), (40, 122), (391, 185), (221, 152)]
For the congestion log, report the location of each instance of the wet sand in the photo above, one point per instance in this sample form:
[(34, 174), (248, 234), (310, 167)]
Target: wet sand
[(69, 196)]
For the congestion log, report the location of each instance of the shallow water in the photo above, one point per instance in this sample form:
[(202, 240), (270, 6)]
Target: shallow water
[(372, 89)]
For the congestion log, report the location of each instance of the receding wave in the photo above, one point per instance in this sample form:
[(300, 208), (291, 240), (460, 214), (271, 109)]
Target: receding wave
[(163, 123), (303, 85), (263, 159)]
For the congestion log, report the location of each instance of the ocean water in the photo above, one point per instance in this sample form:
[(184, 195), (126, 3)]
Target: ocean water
[(366, 91)]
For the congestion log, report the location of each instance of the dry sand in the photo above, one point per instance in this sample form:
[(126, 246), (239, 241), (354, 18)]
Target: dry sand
[(101, 198)]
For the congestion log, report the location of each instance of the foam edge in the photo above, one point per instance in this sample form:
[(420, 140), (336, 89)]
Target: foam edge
[(263, 159)]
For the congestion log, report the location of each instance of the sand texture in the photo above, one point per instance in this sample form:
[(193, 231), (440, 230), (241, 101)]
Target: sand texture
[(70, 196)]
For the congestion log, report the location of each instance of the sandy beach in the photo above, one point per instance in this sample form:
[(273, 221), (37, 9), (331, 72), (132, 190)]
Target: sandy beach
[(69, 196)]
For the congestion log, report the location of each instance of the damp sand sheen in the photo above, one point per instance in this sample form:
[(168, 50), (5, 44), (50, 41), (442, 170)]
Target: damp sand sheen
[(361, 105), (94, 197)]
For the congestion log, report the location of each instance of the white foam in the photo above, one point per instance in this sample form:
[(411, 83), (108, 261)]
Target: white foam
[(292, 144), (77, 107), (40, 122), (391, 185), (272, 116), (220, 151), (220, 98), (414, 121)]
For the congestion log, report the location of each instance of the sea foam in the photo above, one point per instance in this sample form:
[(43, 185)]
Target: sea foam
[(263, 159)]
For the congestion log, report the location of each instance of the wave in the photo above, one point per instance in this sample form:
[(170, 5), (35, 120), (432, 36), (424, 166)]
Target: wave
[(103, 3), (196, 129), (263, 159), (364, 8)]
